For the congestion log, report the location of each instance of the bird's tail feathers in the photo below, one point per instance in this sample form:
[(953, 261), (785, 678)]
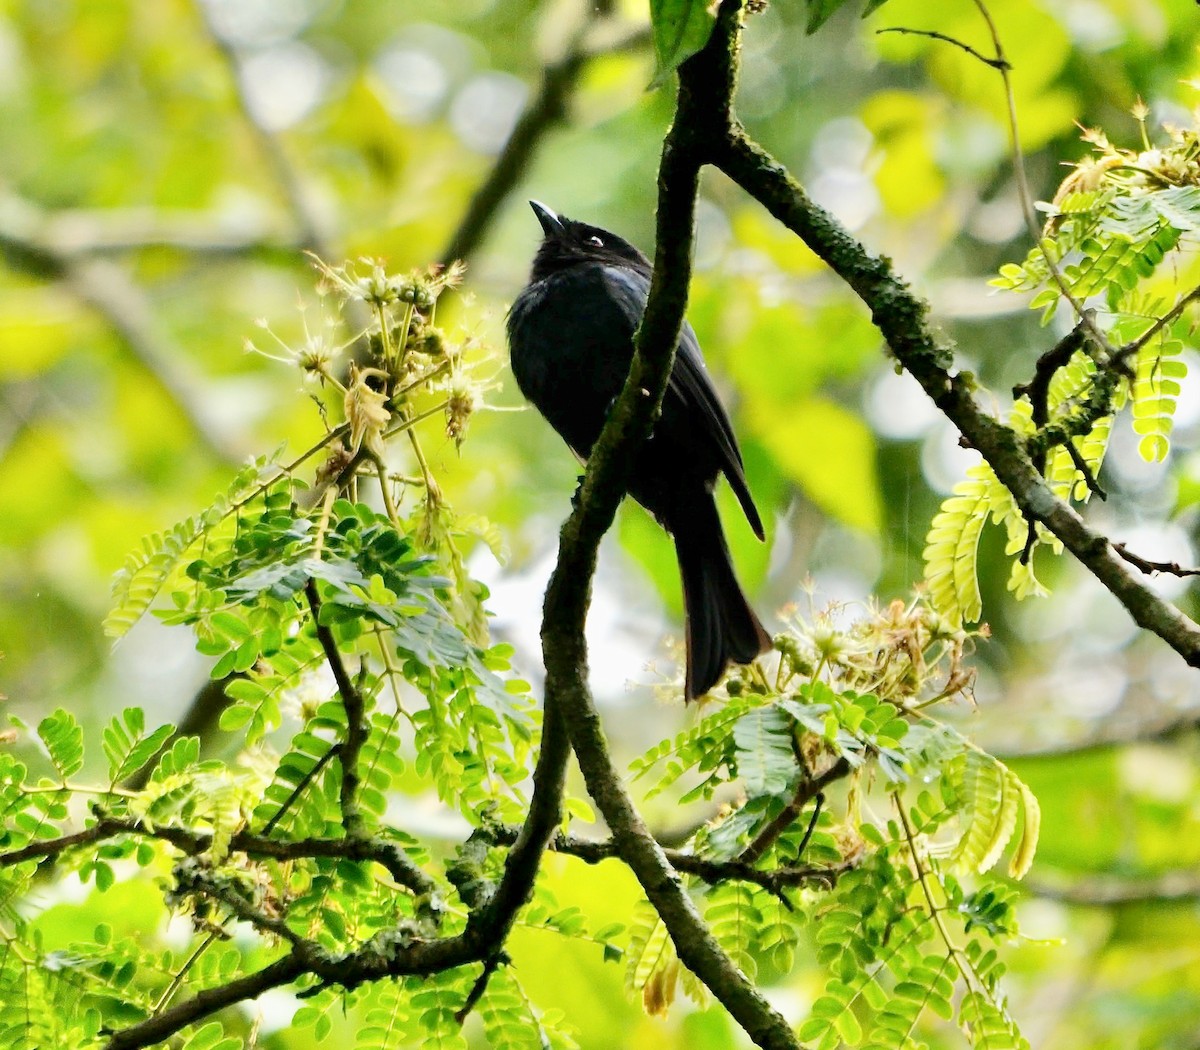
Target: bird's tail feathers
[(721, 626)]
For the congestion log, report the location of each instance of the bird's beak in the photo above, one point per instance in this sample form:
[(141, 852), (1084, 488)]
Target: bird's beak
[(552, 225)]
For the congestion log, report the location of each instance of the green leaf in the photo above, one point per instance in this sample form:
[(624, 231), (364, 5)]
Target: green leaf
[(1022, 857), (735, 916), (1155, 391), (681, 28), (142, 576), (651, 965), (578, 809), (765, 760), (820, 11), (212, 1037), (63, 738), (127, 745), (848, 1027), (992, 799)]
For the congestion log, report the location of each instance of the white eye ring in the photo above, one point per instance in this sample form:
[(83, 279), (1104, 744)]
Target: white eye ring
[(596, 241)]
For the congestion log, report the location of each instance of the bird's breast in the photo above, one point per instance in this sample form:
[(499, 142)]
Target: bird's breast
[(571, 343)]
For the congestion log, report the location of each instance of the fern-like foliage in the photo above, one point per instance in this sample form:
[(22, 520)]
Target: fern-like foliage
[(652, 967), (992, 799), (952, 545), (63, 738), (910, 905), (147, 570), (351, 643), (1159, 372), (328, 620), (1120, 238)]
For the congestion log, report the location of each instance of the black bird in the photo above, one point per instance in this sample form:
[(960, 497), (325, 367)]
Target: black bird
[(571, 338)]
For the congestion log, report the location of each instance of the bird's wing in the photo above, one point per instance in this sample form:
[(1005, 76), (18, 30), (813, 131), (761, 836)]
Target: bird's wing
[(691, 389)]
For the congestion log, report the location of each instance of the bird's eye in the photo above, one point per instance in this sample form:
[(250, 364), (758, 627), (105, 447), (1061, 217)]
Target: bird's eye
[(595, 241)]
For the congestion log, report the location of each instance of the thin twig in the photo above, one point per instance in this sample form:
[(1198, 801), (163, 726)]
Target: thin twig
[(1037, 390), (179, 976), (995, 63), (1081, 465), (1170, 568), (1172, 315), (352, 701), (1026, 194), (1106, 891), (299, 789), (490, 965), (107, 289), (1109, 735), (312, 235), (805, 792)]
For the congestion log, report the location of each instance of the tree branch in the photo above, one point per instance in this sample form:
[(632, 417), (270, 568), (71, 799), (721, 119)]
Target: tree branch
[(995, 63), (381, 851), (774, 880), (1171, 568), (902, 319), (162, 1026), (806, 791), (1110, 735), (706, 88), (312, 234), (106, 231), (352, 701)]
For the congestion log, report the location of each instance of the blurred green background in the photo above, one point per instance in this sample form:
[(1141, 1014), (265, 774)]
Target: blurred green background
[(164, 163)]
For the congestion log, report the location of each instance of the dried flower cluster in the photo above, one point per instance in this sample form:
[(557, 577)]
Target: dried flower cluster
[(402, 367)]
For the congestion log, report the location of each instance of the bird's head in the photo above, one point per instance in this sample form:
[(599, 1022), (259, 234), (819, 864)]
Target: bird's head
[(569, 243)]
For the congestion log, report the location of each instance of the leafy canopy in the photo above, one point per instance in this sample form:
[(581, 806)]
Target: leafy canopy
[(353, 644)]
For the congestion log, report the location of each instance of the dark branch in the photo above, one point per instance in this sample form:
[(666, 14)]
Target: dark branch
[(162, 1026), (995, 63), (490, 965), (352, 701), (107, 289), (806, 791), (705, 93), (1113, 732), (1037, 390), (311, 232), (774, 880), (191, 879), (1171, 568), (388, 854), (1104, 891), (902, 318), (1080, 464), (1123, 355)]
